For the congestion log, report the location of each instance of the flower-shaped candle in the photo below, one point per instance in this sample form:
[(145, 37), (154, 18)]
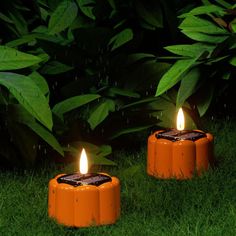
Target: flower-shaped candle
[(84, 199), (179, 153)]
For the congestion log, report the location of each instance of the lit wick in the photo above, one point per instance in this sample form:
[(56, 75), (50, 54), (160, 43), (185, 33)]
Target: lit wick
[(180, 133), (83, 163), (180, 120)]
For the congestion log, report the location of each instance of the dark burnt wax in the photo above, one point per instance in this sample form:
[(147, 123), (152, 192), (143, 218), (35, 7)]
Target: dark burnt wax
[(177, 135), (77, 179)]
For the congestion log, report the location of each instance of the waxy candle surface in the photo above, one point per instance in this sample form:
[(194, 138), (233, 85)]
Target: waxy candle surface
[(86, 205), (84, 199), (180, 153)]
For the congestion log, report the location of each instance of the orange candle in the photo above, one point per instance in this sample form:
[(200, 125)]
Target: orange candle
[(84, 199), (179, 153)]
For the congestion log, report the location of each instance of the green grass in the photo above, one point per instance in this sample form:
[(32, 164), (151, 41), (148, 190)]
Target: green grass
[(202, 206)]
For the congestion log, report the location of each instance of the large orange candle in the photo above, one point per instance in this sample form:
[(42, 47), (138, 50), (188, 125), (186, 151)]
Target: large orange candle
[(84, 199), (179, 153)]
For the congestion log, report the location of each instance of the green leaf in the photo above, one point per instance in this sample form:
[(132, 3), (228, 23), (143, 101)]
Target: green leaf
[(20, 115), (187, 86), (72, 103), (81, 21), (151, 12), (223, 3), (205, 99), (233, 25), (134, 57), (105, 150), (19, 22), (12, 59), (96, 154), (173, 75), (123, 92), (206, 2), (217, 59), (20, 41), (55, 67), (202, 37), (102, 150), (52, 4), (140, 102), (21, 7), (130, 130), (232, 61), (5, 18), (101, 112), (121, 38), (102, 161), (42, 29), (70, 35), (44, 13), (57, 39), (62, 17), (46, 136), (112, 3), (99, 157), (28, 95), (86, 6), (196, 24), (166, 112), (222, 48), (132, 171), (40, 81), (189, 50), (145, 25), (204, 10), (44, 57), (226, 75)]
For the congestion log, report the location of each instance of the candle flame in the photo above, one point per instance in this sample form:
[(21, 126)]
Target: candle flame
[(180, 120), (83, 163)]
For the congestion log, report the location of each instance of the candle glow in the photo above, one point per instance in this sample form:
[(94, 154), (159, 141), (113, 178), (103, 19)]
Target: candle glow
[(83, 164), (77, 200), (180, 120), (179, 153)]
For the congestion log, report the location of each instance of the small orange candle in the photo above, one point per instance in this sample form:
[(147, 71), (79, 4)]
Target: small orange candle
[(84, 199), (179, 153)]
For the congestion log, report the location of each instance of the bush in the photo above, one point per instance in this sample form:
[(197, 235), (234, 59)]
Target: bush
[(204, 69), (92, 61), (83, 73)]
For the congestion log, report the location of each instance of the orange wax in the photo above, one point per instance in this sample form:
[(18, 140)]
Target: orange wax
[(86, 205), (178, 159)]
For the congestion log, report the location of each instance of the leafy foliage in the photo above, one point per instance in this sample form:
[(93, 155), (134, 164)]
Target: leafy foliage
[(84, 72), (62, 17), (205, 66), (28, 95), (12, 59)]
